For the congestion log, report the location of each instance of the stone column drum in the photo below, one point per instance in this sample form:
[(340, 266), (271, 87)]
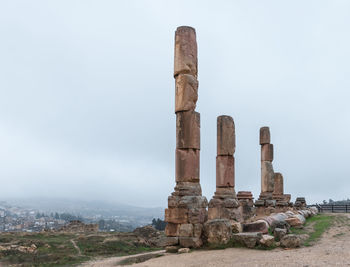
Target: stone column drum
[(267, 172), (224, 204), (186, 210)]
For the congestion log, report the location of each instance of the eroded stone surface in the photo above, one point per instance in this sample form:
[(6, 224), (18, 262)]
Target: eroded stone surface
[(290, 241), (257, 226), (176, 215), (265, 135), (225, 171), (186, 92), (187, 165), (278, 187), (226, 139), (188, 130), (267, 177), (267, 152), (190, 242), (218, 231), (249, 240), (185, 60)]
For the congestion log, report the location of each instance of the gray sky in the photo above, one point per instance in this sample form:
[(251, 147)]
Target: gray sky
[(87, 95)]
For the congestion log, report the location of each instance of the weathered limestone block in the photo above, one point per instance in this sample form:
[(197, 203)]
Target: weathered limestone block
[(187, 165), (172, 229), (257, 226), (187, 189), (225, 192), (176, 215), (225, 171), (267, 177), (193, 202), (265, 135), (290, 241), (168, 241), (197, 215), (278, 187), (197, 230), (183, 250), (249, 240), (218, 231), (279, 233), (186, 92), (185, 51), (236, 227), (226, 138), (267, 152), (296, 221), (188, 130), (173, 201), (190, 242), (220, 212), (230, 203), (267, 241), (186, 230), (171, 249)]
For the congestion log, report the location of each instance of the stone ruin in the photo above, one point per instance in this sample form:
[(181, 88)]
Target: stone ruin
[(272, 198), (191, 220), (187, 208)]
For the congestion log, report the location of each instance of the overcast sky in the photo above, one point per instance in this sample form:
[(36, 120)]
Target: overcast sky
[(87, 95)]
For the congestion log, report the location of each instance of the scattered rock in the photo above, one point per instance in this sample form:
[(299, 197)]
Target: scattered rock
[(236, 227), (296, 221), (258, 226), (267, 241), (279, 233), (171, 249), (190, 242), (183, 250), (168, 241), (247, 239), (218, 231), (290, 241)]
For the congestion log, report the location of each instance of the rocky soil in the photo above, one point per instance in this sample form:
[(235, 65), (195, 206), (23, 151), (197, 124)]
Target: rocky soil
[(330, 250)]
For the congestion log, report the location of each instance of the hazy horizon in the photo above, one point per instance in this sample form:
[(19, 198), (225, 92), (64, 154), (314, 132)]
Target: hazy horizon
[(87, 96)]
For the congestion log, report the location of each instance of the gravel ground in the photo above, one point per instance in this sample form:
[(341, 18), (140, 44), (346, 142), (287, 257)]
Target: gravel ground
[(331, 250)]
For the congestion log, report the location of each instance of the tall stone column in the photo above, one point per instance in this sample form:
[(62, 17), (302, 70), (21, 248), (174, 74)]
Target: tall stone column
[(224, 204), (267, 172), (186, 210)]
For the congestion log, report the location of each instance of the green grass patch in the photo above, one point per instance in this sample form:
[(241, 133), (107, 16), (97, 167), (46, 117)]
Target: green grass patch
[(314, 227), (56, 249)]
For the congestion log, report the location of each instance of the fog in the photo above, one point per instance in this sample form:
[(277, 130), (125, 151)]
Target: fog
[(87, 95)]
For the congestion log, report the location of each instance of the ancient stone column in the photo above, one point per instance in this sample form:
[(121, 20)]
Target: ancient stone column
[(267, 172), (186, 210), (224, 204)]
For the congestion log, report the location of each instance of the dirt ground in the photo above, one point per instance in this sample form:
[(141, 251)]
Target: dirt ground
[(331, 250)]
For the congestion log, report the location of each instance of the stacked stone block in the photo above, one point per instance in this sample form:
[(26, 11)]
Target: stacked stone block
[(186, 210), (267, 173), (246, 201), (282, 200), (300, 203), (224, 204)]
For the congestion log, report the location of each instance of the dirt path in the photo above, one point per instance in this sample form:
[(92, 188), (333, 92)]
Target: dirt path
[(331, 250), (76, 247)]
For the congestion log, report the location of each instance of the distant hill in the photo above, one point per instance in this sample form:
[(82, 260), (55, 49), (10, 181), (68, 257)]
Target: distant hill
[(91, 209)]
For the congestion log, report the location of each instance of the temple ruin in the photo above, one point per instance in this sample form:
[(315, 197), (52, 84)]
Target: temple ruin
[(191, 220)]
